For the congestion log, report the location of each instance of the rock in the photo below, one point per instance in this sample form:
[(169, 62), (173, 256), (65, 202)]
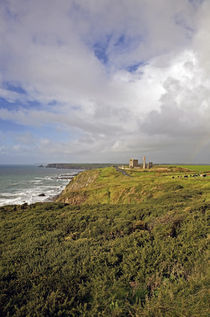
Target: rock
[(42, 195), (23, 206)]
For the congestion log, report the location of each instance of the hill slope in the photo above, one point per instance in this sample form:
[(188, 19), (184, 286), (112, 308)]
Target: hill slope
[(147, 258), (111, 186)]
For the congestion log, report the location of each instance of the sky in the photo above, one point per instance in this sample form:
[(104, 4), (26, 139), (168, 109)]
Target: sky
[(104, 81)]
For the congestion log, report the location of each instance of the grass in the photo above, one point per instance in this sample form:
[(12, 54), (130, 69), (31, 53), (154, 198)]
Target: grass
[(144, 255), (110, 186), (197, 168)]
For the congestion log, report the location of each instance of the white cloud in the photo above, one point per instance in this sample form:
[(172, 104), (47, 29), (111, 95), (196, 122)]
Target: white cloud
[(48, 50)]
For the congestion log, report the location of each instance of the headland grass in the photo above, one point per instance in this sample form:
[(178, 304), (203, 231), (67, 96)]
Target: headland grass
[(197, 168), (126, 246), (104, 186)]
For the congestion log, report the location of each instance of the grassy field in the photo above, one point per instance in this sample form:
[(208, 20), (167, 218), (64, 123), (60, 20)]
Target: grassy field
[(108, 186), (126, 246), (197, 168)]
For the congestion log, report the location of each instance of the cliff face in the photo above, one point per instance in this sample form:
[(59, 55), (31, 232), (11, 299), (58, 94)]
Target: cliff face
[(75, 192), (99, 186)]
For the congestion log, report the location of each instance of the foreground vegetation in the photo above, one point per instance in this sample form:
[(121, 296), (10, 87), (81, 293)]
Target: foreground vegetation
[(145, 258)]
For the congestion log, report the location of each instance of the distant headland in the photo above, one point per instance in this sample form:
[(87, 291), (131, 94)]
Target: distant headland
[(86, 166)]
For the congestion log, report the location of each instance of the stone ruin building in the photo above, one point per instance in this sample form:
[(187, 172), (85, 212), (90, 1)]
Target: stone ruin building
[(134, 163), (145, 165), (150, 165)]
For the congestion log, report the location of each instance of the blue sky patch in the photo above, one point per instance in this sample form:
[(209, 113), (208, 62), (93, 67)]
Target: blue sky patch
[(132, 68), (47, 131), (16, 105), (52, 103), (9, 105), (7, 125), (100, 49), (121, 41), (50, 132), (12, 87)]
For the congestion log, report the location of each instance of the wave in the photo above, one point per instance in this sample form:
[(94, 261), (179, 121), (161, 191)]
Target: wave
[(36, 190), (30, 196)]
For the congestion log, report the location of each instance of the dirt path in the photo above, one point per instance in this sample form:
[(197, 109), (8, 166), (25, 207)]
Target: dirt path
[(122, 171)]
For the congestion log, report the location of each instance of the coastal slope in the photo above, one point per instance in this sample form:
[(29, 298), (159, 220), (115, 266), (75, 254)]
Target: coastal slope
[(145, 255), (115, 186)]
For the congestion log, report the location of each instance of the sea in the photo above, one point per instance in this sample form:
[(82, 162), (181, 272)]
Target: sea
[(29, 184)]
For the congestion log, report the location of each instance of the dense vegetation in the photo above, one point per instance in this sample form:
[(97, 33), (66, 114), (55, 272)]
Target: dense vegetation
[(145, 258)]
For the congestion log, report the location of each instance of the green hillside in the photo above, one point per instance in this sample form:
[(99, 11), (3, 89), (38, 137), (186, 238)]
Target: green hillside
[(109, 186), (197, 168), (126, 246)]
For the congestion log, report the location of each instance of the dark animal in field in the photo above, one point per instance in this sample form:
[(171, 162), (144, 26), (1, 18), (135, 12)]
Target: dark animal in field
[(203, 175)]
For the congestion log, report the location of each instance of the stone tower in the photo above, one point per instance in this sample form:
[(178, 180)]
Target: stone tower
[(144, 162)]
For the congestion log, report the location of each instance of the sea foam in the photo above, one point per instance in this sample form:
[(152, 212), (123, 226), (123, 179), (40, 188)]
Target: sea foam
[(32, 185)]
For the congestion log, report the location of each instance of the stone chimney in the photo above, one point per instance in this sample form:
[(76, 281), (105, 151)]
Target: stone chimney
[(144, 162)]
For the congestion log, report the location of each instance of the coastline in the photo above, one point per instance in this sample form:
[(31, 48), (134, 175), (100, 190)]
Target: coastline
[(54, 198), (30, 184)]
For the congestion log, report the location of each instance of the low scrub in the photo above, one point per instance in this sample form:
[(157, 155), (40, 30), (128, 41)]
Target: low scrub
[(99, 258), (108, 260)]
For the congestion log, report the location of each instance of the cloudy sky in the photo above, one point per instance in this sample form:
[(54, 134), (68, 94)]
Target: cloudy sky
[(104, 80)]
